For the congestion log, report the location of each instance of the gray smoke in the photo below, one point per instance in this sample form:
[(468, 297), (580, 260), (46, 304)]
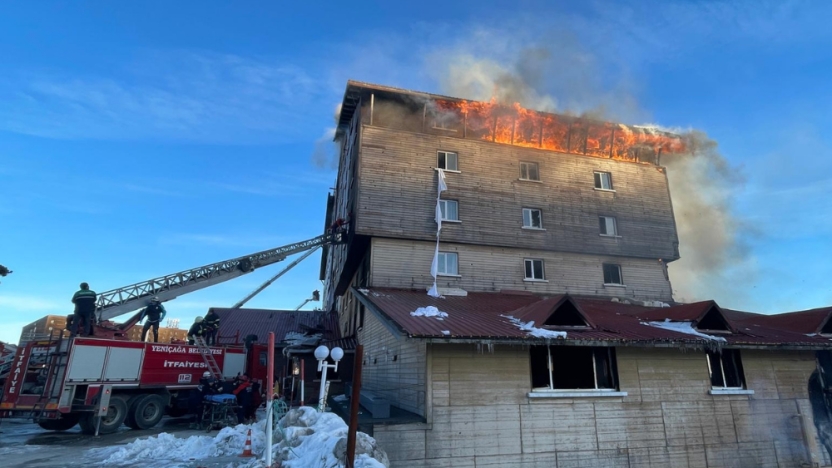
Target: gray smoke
[(325, 151), (701, 181)]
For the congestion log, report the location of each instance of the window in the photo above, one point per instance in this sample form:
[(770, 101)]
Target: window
[(534, 269), (573, 368), (529, 171), (612, 274), (450, 210), (603, 180), (532, 218), (447, 160), (608, 226), (448, 263), (726, 369)]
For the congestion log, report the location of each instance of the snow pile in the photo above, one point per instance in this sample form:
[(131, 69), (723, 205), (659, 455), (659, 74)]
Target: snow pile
[(446, 332), (429, 311), (683, 327), (309, 438), (166, 449), (533, 331)]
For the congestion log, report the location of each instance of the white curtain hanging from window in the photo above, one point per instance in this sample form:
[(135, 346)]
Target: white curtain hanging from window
[(434, 267)]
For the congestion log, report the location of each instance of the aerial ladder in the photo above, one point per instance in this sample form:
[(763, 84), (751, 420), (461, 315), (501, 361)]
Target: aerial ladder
[(116, 302), (316, 296)]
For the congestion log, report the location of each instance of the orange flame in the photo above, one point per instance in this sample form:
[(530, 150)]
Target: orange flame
[(516, 125)]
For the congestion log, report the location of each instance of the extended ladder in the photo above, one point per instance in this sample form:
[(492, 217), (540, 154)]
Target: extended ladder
[(208, 357)]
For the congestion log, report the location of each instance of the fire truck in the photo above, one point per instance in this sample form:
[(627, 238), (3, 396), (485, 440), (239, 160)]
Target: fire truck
[(105, 381)]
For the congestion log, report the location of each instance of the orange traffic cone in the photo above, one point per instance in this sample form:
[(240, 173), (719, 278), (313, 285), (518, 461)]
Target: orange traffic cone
[(247, 448)]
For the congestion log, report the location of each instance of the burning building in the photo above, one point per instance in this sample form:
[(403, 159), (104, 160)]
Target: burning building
[(551, 337)]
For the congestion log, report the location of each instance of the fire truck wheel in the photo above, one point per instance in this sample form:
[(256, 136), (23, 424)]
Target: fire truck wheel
[(110, 423), (130, 420), (68, 421), (148, 411)]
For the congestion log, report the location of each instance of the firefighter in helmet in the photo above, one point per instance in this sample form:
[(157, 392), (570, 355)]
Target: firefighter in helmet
[(154, 313), (196, 330), (211, 325)]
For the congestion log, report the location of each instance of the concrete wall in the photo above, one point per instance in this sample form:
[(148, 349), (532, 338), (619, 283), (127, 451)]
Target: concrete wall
[(480, 415)]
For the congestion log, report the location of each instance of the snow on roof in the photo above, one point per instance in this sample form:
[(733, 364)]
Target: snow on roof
[(429, 311), (533, 331), (683, 327)]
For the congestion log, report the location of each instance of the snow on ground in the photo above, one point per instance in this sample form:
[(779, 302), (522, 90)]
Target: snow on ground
[(305, 438), (429, 311), (533, 331), (682, 327)]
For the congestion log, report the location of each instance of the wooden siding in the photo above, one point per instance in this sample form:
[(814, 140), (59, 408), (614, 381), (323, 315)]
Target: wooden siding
[(393, 367), (406, 264), (481, 415), (398, 184)]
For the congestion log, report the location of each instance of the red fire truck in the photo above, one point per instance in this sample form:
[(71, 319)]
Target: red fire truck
[(102, 383)]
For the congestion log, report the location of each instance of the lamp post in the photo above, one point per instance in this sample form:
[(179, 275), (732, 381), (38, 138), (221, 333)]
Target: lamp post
[(321, 353)]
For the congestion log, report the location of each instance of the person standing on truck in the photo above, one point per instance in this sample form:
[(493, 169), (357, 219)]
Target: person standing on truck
[(84, 301), (196, 330), (154, 313), (212, 326)]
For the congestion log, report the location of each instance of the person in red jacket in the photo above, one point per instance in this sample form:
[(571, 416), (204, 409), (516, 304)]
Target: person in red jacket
[(244, 399)]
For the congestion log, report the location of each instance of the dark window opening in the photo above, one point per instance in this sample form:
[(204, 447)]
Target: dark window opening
[(726, 369), (573, 368), (612, 274), (827, 328), (361, 316), (713, 320), (566, 315)]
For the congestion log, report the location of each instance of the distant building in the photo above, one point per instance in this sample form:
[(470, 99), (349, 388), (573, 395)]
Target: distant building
[(166, 335), (42, 328)]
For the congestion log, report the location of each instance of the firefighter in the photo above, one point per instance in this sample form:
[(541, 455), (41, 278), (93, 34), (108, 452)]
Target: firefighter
[(212, 326), (196, 330), (244, 398), (154, 313), (84, 301)]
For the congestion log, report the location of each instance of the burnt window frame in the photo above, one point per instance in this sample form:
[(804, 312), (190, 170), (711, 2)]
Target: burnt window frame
[(734, 359), (440, 153), (609, 366), (525, 173)]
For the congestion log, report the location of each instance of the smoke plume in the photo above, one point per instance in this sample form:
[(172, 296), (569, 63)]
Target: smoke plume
[(325, 152), (701, 181)]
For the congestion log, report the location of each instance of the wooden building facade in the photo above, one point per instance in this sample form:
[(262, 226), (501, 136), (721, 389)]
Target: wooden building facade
[(584, 235)]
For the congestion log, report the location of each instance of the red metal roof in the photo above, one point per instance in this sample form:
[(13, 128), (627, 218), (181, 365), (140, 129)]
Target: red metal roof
[(242, 322), (487, 316)]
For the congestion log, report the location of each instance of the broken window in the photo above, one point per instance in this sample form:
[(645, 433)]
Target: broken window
[(603, 181), (448, 263), (713, 321), (447, 160), (529, 171), (450, 210), (534, 269), (608, 226), (573, 368), (532, 218), (612, 274), (566, 315), (725, 368)]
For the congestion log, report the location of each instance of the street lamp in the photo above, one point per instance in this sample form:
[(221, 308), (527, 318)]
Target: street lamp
[(321, 353)]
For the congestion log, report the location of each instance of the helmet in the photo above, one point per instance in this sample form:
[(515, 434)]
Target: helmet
[(206, 374), (198, 319), (154, 299), (85, 286)]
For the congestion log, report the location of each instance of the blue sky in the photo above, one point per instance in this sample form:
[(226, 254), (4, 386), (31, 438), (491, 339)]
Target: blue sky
[(139, 139)]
